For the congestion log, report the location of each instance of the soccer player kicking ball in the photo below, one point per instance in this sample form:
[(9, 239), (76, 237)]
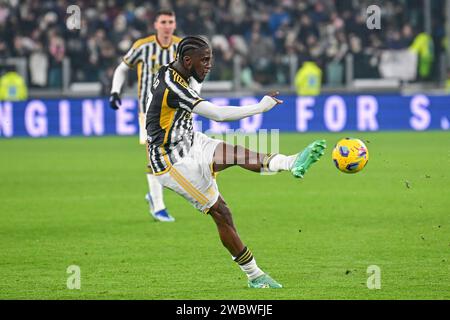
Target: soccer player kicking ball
[(185, 161), (147, 55)]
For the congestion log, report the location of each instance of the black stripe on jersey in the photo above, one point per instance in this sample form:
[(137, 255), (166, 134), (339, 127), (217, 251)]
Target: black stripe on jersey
[(140, 86), (167, 56), (136, 57), (181, 153), (151, 153), (161, 160), (157, 164), (151, 62), (160, 58), (173, 49), (183, 127), (144, 93), (152, 156), (175, 127)]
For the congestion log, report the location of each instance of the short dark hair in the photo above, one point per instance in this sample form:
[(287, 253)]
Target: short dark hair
[(164, 12), (191, 43)]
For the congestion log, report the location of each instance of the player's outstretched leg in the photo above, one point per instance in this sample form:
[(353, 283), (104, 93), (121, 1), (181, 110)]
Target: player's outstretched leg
[(227, 156), (156, 201), (241, 254), (307, 157)]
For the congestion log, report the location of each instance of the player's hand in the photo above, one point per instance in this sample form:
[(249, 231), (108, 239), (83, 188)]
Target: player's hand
[(114, 101), (269, 101), (274, 95)]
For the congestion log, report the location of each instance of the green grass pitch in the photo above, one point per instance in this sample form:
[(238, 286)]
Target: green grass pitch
[(80, 201)]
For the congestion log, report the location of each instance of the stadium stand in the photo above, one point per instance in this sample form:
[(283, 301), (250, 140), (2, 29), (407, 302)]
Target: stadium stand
[(264, 34)]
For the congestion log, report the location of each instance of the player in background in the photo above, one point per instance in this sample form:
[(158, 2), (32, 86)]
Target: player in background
[(186, 161), (147, 55)]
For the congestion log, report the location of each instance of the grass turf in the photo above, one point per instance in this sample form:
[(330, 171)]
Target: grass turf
[(80, 201)]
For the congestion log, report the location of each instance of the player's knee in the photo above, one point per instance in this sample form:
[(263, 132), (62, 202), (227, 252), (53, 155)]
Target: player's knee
[(221, 213)]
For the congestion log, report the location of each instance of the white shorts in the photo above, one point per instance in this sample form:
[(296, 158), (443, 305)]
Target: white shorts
[(192, 177)]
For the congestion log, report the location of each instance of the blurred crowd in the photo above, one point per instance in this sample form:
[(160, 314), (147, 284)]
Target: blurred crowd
[(265, 34)]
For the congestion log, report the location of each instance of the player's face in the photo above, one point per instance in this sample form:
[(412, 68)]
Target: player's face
[(201, 64), (165, 25)]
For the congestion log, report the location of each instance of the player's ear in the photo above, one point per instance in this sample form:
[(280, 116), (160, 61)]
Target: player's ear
[(187, 62)]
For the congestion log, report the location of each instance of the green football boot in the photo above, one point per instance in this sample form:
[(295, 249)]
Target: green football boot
[(310, 155), (264, 281)]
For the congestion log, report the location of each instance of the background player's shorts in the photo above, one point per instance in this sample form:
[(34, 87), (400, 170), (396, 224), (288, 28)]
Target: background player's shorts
[(143, 119), (192, 176)]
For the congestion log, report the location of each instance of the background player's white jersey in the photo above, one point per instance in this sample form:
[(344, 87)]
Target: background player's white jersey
[(148, 56)]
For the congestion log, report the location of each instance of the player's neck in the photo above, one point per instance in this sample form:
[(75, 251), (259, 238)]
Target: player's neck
[(164, 41), (178, 67)]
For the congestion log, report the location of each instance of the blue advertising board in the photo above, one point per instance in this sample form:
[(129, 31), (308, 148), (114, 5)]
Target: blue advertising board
[(334, 113)]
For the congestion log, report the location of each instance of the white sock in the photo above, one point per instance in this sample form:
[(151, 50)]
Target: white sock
[(156, 191), (281, 162), (251, 269)]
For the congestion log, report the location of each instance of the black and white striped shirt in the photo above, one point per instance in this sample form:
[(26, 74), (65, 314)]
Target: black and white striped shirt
[(169, 124), (148, 56)]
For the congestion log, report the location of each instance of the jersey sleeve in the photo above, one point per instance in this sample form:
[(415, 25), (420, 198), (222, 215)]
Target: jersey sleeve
[(133, 56), (181, 95)]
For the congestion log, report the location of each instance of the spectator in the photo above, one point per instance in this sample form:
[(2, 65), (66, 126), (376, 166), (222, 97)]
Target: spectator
[(12, 87), (57, 51), (308, 80), (323, 29), (261, 53)]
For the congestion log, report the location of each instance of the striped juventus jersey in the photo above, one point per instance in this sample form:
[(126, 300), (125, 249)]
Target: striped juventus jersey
[(169, 120), (148, 56)]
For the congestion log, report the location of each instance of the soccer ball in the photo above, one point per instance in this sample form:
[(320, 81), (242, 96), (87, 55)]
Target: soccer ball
[(350, 155)]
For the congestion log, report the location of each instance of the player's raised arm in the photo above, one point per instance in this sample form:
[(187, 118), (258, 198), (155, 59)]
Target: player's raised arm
[(231, 113)]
